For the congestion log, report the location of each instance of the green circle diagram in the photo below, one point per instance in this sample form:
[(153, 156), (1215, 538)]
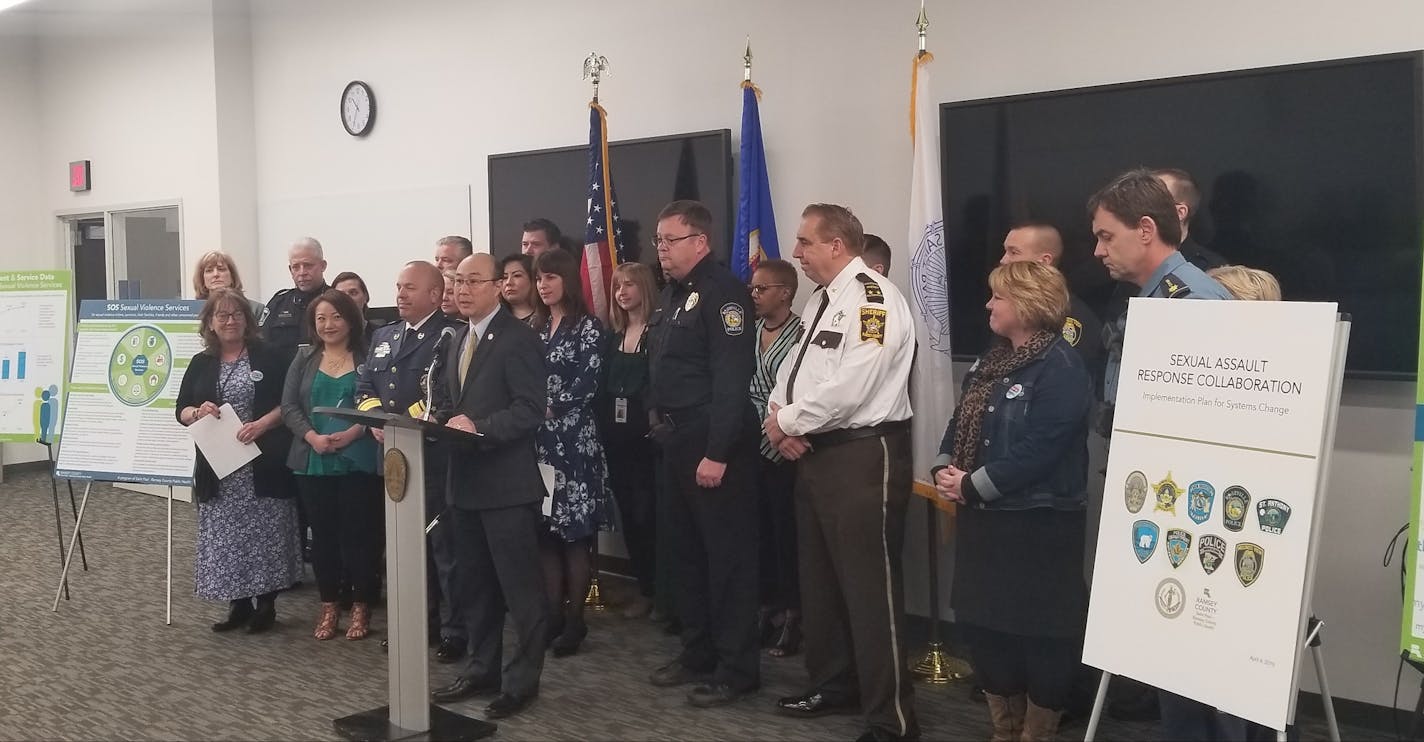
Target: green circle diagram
[(140, 365)]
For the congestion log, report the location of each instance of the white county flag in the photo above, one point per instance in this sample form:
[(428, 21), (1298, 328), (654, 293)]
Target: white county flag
[(932, 382)]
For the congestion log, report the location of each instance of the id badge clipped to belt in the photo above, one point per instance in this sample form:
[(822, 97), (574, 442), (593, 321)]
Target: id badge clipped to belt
[(620, 409)]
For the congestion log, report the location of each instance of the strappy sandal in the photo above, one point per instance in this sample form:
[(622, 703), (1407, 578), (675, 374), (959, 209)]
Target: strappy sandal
[(326, 622), (360, 622)]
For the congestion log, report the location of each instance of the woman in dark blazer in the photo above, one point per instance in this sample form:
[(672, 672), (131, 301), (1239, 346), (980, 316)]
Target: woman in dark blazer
[(247, 522), (335, 464), (1015, 456)]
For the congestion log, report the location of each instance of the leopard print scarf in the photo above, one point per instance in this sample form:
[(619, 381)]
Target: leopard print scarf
[(1000, 361)]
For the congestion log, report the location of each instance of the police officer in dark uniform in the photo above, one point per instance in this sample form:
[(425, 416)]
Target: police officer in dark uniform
[(283, 323), (393, 380), (1041, 242), (701, 361)]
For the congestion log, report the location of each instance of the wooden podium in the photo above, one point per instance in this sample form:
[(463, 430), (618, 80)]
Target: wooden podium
[(410, 715)]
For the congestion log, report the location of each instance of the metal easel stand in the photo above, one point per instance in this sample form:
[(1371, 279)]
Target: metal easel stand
[(74, 511), (63, 589), (1312, 640), (937, 666)]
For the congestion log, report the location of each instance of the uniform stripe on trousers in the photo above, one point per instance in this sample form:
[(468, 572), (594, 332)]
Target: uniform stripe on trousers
[(889, 582)]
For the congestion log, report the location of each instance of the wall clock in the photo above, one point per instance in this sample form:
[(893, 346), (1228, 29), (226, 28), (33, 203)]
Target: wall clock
[(358, 108)]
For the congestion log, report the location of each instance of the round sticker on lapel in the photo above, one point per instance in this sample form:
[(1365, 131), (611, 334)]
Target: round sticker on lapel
[(691, 302), (732, 318), (1014, 392), (255, 375)]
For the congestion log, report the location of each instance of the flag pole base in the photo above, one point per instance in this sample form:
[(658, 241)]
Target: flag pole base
[(938, 667), (594, 599)]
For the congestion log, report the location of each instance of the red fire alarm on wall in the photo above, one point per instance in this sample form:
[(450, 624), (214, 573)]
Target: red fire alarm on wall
[(79, 176)]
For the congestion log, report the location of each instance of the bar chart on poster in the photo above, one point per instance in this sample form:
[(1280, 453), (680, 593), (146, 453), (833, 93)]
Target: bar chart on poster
[(34, 346)]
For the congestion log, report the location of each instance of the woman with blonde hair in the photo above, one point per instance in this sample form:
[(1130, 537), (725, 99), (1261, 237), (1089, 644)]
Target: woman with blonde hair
[(217, 270), (622, 407), (1247, 284), (1015, 458)]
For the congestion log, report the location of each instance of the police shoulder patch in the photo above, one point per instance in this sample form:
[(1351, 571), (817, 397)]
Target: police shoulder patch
[(872, 324), (873, 292), (1072, 331), (1173, 287), (733, 318)]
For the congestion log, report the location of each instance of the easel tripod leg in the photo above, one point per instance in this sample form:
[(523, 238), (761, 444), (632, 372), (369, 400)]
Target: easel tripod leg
[(78, 522), (74, 511), (1326, 699), (1098, 702)]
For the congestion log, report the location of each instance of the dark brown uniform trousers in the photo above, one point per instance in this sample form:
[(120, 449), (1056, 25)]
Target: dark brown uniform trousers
[(850, 525)]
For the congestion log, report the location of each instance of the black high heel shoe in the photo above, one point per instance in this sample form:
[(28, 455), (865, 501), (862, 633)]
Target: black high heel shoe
[(239, 612), (788, 643), (568, 642)]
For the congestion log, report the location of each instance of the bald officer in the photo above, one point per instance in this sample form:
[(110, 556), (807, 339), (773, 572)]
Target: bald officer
[(393, 380), (1042, 243), (841, 407)]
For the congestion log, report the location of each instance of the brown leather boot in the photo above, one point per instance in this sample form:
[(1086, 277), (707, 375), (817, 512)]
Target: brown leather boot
[(1006, 713), (1040, 724)]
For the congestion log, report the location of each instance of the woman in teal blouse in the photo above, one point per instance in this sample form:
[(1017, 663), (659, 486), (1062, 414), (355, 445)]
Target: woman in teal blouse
[(335, 463)]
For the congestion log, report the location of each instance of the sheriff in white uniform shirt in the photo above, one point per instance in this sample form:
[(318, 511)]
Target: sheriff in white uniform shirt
[(841, 407)]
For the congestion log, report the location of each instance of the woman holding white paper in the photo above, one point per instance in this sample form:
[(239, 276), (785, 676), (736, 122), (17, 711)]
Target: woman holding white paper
[(1015, 458), (247, 522), (335, 463)]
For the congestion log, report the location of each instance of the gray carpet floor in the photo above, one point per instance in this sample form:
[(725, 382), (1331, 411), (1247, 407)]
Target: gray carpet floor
[(105, 666)]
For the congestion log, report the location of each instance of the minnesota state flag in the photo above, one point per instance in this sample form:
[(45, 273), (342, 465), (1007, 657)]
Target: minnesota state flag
[(756, 225)]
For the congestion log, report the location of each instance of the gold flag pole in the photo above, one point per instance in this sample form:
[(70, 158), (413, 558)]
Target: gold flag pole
[(594, 67), (937, 666)]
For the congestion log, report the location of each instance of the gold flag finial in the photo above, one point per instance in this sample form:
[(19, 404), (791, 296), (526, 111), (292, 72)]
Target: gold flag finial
[(923, 24), (594, 66), (747, 62)]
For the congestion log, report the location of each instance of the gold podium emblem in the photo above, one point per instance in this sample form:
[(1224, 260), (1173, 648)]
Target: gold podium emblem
[(397, 474)]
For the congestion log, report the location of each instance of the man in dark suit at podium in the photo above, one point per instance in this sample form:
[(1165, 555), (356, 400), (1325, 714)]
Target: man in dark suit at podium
[(392, 380), (495, 386)]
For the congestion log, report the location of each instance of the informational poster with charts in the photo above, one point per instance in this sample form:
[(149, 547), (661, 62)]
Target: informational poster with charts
[(1202, 580), (129, 360), (34, 353), (1412, 633)]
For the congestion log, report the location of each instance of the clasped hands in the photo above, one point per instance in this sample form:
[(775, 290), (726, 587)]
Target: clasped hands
[(949, 483), (330, 442), (791, 447)]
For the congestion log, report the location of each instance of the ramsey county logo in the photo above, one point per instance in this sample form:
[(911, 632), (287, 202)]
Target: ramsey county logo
[(929, 277), (1170, 598)]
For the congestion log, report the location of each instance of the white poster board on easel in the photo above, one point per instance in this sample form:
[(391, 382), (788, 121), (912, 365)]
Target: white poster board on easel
[(1221, 439)]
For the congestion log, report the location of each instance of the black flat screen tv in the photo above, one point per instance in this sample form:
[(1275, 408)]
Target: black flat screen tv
[(647, 174), (1310, 171)]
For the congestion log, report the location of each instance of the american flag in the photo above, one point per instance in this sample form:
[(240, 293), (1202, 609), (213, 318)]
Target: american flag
[(603, 231)]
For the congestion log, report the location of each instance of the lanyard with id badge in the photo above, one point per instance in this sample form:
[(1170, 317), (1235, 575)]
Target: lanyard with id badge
[(623, 393)]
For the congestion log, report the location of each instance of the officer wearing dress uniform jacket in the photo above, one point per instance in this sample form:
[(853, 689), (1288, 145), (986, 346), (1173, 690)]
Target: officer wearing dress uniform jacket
[(841, 407), (1138, 231), (701, 357), (283, 323), (392, 379)]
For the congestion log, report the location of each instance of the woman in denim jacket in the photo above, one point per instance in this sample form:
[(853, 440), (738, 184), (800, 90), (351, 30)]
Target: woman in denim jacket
[(1015, 457)]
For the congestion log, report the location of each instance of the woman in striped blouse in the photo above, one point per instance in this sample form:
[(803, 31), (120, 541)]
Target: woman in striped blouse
[(778, 331)]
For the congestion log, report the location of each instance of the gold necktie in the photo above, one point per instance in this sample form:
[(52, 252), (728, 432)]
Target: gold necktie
[(468, 354)]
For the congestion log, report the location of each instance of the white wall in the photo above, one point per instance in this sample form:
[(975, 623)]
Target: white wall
[(20, 234), (456, 81)]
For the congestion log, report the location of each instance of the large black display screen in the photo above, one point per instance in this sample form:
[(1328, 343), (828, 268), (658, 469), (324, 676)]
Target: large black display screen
[(647, 174), (1309, 171)]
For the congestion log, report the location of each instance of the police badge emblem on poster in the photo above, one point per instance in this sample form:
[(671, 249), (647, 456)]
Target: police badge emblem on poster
[(1144, 539)]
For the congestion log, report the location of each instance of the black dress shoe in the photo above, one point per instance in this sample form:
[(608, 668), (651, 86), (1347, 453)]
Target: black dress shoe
[(568, 642), (506, 705), (715, 694), (463, 688), (675, 673), (816, 704), (450, 650)]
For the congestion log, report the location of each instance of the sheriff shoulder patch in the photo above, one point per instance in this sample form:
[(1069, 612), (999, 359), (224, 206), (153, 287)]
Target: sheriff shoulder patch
[(872, 324)]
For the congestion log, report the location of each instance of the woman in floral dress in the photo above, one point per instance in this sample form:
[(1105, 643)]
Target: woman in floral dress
[(568, 441)]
